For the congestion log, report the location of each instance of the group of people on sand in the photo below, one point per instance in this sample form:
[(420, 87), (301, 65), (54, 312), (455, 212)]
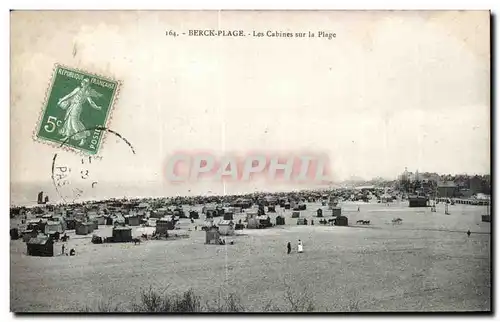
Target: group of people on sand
[(300, 247)]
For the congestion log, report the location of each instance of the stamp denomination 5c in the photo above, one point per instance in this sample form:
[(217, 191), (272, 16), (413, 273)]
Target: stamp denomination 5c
[(77, 106)]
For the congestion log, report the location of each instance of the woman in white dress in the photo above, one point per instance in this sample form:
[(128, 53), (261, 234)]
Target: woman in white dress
[(300, 248)]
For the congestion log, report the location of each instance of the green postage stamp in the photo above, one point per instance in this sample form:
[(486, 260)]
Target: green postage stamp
[(77, 108)]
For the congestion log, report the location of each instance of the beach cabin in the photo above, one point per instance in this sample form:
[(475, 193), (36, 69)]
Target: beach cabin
[(70, 223), (228, 216), (261, 211), (151, 222), (118, 220), (212, 236), (252, 221), (226, 227), (100, 219), (264, 221), (280, 220), (207, 208), (386, 198), (36, 224), (319, 213), (418, 200), (28, 234), (210, 213), (296, 214), (271, 208), (242, 203), (40, 245), (142, 214), (336, 211), (78, 215), (281, 202), (194, 215), (132, 220), (61, 220), (341, 221), (122, 234), (332, 202), (53, 227), (269, 200), (163, 225), (207, 224), (159, 213), (108, 220), (91, 214), (95, 224), (301, 221), (235, 210), (83, 228)]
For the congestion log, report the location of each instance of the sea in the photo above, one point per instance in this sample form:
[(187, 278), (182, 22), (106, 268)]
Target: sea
[(26, 193)]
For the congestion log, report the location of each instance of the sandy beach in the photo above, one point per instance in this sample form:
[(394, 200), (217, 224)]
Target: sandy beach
[(425, 264)]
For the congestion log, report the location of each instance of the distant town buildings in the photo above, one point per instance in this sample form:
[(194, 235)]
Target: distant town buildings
[(447, 190), (444, 186)]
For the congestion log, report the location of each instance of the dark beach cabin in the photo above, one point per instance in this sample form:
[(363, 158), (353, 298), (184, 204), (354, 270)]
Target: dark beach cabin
[(41, 245), (228, 216), (280, 220), (212, 236), (341, 221), (122, 234)]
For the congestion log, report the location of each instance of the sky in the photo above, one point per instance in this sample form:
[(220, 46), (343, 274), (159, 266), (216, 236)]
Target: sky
[(392, 90)]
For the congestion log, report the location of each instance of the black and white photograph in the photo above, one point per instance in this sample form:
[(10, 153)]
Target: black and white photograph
[(242, 161)]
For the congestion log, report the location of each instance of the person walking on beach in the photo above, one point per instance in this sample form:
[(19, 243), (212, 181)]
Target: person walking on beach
[(62, 251), (289, 247), (468, 233), (300, 248)]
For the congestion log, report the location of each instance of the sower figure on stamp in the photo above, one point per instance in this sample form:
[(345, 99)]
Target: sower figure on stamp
[(73, 102)]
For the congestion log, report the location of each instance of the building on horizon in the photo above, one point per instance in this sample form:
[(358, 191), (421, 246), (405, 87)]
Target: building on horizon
[(447, 189)]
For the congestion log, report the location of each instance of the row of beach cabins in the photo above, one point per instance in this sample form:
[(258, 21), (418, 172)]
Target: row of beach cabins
[(42, 225)]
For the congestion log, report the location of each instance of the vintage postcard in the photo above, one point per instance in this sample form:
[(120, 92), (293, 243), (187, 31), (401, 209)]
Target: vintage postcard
[(250, 161)]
